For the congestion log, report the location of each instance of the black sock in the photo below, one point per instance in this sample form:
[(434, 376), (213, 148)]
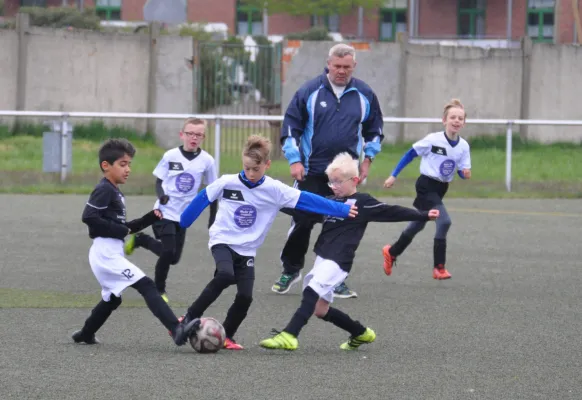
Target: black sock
[(440, 252), (208, 296), (344, 321), (146, 287), (236, 314), (401, 244), (167, 255), (98, 316), (303, 313)]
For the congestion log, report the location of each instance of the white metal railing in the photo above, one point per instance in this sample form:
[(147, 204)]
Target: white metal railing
[(64, 116)]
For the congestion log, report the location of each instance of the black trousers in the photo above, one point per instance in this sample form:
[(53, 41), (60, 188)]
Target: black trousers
[(293, 254), (231, 268)]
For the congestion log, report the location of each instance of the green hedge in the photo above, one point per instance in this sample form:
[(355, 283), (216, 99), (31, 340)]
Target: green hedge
[(62, 17)]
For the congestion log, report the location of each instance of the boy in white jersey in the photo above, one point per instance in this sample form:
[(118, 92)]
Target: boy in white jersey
[(336, 249), (179, 176), (442, 154), (104, 215), (249, 203)]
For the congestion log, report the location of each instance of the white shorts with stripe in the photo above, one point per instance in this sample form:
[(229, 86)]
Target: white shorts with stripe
[(113, 271), (324, 277)]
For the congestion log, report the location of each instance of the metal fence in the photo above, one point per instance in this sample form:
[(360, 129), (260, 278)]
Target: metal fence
[(238, 79), (221, 120)]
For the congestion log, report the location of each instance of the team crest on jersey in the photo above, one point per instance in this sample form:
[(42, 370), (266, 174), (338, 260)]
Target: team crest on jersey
[(229, 194), (185, 182), (447, 167), (323, 104), (245, 216), (441, 151), (175, 166)]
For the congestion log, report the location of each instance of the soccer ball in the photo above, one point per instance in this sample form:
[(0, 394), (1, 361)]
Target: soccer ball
[(209, 338)]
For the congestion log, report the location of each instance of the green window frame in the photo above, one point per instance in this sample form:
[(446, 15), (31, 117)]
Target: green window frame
[(391, 22), (109, 10), (471, 18), (32, 3), (249, 20), (331, 22), (541, 20)]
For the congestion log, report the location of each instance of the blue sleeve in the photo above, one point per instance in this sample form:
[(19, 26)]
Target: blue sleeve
[(372, 128), (404, 161), (194, 209), (460, 173), (294, 123), (320, 205)]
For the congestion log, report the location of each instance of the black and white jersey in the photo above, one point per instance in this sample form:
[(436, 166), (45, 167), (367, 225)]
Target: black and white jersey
[(246, 213), (181, 179), (440, 159), (105, 212), (340, 237)]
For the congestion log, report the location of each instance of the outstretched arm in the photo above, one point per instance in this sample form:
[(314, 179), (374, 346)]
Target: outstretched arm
[(373, 210), (194, 209), (320, 205), (404, 161)]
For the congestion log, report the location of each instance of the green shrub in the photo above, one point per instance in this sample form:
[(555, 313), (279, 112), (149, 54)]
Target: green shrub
[(95, 131), (62, 17)]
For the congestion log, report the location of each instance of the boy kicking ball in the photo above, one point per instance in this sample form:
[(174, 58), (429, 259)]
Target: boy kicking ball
[(104, 215), (335, 249)]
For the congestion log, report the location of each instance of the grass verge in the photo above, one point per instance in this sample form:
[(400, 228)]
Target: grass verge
[(537, 171)]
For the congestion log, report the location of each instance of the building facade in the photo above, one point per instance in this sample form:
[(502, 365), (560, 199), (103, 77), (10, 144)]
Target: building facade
[(542, 20)]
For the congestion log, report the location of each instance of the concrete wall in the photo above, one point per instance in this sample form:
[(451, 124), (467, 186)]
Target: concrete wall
[(86, 71), (174, 86), (555, 91), (8, 69), (487, 81)]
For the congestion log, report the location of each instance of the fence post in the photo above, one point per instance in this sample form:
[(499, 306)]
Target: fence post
[(508, 151), (217, 145), (64, 147)]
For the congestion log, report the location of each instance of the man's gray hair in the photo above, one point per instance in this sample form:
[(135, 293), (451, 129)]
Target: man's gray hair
[(342, 50)]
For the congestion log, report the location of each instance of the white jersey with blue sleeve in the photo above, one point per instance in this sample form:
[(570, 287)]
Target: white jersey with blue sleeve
[(246, 212), (440, 159)]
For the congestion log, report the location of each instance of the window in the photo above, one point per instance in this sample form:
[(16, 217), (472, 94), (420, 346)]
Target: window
[(108, 9), (471, 18), (33, 3), (249, 20), (540, 20), (331, 22), (393, 18)]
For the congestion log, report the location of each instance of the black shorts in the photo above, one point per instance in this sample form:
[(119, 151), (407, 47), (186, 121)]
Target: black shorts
[(233, 264), (429, 193), (166, 227)]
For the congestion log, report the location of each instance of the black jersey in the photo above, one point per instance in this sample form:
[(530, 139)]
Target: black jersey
[(105, 213), (340, 237)]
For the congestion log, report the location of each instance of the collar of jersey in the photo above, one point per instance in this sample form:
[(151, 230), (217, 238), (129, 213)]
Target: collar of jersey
[(248, 183), (453, 143)]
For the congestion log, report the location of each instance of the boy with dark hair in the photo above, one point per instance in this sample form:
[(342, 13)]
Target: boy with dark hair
[(105, 215)]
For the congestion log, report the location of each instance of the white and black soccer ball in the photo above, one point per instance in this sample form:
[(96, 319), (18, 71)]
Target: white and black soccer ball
[(209, 338)]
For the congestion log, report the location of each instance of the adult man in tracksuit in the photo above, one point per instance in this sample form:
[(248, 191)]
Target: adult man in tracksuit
[(328, 115)]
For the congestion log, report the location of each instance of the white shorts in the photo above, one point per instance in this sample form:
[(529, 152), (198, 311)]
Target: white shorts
[(113, 271), (324, 277)]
